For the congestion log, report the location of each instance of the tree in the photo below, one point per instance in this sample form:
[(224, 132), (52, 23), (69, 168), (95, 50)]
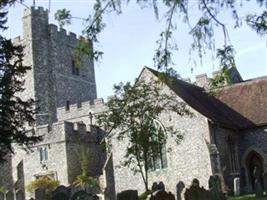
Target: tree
[(14, 111), (134, 114), (84, 180), (201, 28)]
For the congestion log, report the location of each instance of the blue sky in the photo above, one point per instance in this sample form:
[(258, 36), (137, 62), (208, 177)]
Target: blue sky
[(128, 42)]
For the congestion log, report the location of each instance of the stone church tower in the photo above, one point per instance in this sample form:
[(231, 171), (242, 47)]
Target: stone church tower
[(59, 87), (54, 80)]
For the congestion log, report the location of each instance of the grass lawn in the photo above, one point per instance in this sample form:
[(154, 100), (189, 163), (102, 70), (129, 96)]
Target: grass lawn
[(247, 197)]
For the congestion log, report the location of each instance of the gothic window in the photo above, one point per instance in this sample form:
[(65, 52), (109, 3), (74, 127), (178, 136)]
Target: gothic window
[(67, 108), (158, 159), (43, 152), (79, 104), (20, 170), (74, 68), (233, 155)]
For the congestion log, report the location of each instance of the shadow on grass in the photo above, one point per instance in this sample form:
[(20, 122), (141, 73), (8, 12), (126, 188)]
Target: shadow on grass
[(247, 197)]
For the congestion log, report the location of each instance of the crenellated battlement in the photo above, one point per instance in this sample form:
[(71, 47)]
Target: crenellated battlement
[(54, 31), (69, 37), (33, 10), (81, 110)]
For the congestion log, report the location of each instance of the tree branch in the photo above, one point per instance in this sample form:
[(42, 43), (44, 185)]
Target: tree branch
[(217, 21)]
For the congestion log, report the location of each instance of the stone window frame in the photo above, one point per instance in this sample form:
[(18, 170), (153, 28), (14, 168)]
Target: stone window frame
[(43, 153), (20, 170), (159, 161), (75, 70)]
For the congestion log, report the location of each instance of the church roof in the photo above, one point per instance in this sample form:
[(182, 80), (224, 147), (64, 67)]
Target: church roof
[(240, 106)]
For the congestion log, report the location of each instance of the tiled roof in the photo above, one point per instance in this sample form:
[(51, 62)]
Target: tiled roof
[(240, 106)]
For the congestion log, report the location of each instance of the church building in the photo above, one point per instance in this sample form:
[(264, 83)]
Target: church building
[(226, 136)]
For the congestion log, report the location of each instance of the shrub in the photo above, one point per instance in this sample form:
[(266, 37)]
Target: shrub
[(46, 183)]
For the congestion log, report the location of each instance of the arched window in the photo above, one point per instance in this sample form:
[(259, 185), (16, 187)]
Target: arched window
[(158, 160), (43, 152)]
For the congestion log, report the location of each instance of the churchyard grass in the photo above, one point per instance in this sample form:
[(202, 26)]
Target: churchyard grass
[(247, 197)]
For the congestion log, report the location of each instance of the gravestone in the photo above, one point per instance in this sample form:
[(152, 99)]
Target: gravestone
[(162, 195), (195, 192), (161, 186), (40, 194), (215, 188), (154, 187), (128, 195), (179, 189), (237, 186), (83, 195), (62, 193)]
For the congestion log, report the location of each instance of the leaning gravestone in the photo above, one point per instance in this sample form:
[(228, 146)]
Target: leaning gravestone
[(162, 195), (128, 195), (179, 189)]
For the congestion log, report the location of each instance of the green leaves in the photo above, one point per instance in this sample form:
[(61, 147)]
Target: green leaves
[(63, 17), (258, 22), (134, 115), (15, 112)]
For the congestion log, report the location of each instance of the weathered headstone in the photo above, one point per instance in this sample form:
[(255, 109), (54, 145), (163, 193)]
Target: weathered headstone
[(237, 186), (162, 195), (83, 195), (179, 189), (154, 187), (161, 186), (195, 192), (128, 195), (62, 193), (40, 194), (215, 188)]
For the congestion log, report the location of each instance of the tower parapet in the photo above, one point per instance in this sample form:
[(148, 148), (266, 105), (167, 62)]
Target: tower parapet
[(54, 80), (82, 110)]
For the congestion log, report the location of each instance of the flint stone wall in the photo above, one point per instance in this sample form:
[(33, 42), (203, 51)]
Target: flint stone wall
[(190, 159)]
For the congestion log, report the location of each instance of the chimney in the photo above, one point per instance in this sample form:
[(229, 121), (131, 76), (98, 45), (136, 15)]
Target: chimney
[(202, 80)]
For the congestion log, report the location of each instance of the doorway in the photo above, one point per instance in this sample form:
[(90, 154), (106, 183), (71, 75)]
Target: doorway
[(254, 165)]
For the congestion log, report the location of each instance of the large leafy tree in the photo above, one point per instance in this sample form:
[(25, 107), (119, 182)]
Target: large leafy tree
[(14, 111), (134, 115), (201, 21)]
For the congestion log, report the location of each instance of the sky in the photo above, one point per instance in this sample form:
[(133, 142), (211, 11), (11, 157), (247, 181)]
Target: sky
[(129, 42)]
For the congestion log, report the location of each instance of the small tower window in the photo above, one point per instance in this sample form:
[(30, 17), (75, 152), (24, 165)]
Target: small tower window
[(74, 68), (67, 108), (43, 152)]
